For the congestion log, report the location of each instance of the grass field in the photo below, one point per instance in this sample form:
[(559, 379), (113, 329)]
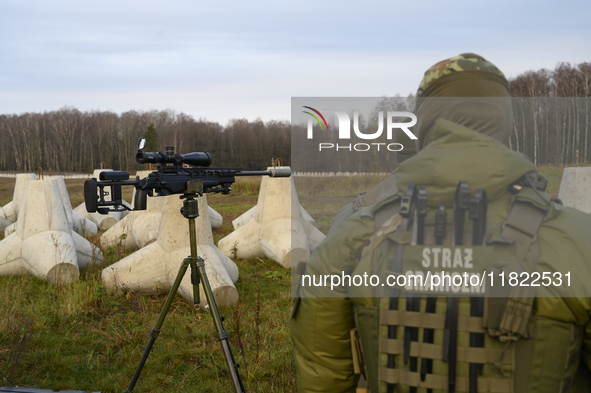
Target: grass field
[(80, 336)]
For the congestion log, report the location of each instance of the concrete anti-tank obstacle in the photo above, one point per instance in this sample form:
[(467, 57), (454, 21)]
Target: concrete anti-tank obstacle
[(156, 265), (277, 228), (575, 188), (103, 221), (10, 210), (215, 218), (44, 244), (4, 223), (137, 229), (251, 214), (77, 222), (140, 228)]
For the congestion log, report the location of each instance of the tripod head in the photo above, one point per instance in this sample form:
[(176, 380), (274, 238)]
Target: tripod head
[(171, 177)]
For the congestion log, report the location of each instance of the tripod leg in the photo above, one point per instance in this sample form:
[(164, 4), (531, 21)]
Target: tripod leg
[(156, 329), (191, 211), (222, 333)]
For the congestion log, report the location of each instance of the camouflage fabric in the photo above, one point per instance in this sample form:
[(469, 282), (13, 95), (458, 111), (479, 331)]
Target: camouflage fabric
[(480, 115), (460, 63), (320, 327)]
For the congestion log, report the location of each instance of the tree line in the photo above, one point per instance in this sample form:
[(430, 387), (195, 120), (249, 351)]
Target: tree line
[(552, 114), (70, 140), (551, 109), (551, 124)]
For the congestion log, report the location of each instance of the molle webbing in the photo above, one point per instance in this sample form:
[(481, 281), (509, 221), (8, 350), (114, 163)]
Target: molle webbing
[(440, 382), (428, 320), (511, 313), (435, 352)]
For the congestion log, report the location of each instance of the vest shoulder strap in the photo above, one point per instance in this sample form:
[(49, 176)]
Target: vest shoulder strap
[(526, 215)]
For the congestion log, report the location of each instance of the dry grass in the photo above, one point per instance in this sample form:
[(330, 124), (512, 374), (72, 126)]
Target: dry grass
[(335, 186), (554, 175), (80, 336)]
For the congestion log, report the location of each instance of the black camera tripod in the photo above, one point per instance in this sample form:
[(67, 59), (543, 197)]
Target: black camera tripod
[(190, 211)]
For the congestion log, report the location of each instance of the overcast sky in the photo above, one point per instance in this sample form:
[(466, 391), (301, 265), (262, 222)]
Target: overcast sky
[(232, 59)]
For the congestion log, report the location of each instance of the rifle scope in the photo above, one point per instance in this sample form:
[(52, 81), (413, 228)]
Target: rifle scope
[(170, 157)]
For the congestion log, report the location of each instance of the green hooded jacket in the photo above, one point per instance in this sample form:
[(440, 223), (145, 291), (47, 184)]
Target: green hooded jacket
[(322, 318)]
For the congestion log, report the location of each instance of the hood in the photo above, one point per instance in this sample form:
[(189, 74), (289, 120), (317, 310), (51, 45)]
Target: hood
[(459, 153), (491, 115)]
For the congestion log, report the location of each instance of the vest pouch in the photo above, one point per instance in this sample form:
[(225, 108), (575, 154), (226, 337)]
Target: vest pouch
[(508, 308), (295, 306), (367, 321)]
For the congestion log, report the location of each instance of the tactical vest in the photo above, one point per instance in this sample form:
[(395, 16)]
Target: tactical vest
[(364, 199), (405, 341)]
